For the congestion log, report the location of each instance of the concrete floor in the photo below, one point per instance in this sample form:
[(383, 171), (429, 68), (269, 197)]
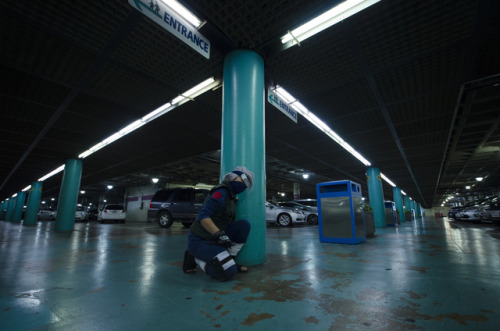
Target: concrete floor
[(432, 274)]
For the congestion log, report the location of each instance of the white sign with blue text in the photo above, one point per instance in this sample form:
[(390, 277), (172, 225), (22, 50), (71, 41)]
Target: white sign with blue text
[(173, 23), (279, 103)]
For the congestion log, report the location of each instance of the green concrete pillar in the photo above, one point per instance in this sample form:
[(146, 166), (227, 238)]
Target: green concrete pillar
[(376, 194), (68, 195), (412, 204), (398, 200), (17, 215), (243, 143), (34, 197), (407, 203), (419, 210), (10, 209), (3, 205)]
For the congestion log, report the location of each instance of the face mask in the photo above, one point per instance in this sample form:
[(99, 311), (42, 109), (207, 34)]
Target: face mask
[(237, 187)]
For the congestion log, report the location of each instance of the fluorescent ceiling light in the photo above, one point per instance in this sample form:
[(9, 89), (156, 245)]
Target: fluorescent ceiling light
[(110, 187), (479, 179), (301, 109), (384, 177), (52, 173), (403, 192), (326, 20), (190, 94), (154, 180), (305, 176), (185, 13)]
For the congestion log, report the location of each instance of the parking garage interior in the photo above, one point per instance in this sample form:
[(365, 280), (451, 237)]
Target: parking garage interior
[(413, 87)]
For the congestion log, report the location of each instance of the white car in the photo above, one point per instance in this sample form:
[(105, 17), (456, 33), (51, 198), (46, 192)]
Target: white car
[(46, 214), (80, 213), (112, 212), (283, 216), (311, 212)]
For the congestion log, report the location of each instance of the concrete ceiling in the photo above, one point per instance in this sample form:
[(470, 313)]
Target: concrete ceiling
[(414, 86)]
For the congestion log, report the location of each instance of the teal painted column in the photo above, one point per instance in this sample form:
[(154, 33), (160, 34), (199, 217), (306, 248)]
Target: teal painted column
[(2, 208), (419, 211), (10, 208), (376, 194), (34, 197), (398, 200), (18, 209), (243, 143), (407, 203), (68, 195), (412, 204)]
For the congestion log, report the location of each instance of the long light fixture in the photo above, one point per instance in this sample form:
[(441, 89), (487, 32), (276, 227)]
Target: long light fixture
[(52, 173), (189, 95), (384, 177), (301, 109), (184, 12), (326, 20), (176, 102)]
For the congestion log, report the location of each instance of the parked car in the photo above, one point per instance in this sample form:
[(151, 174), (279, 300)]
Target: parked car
[(470, 213), (176, 204), (46, 214), (310, 211), (112, 212), (283, 216), (80, 214), (308, 202), (453, 211), (490, 210)]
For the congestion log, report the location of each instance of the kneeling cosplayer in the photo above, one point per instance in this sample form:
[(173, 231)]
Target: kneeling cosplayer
[(216, 237)]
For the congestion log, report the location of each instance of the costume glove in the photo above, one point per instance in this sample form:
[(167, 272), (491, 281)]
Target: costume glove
[(222, 239)]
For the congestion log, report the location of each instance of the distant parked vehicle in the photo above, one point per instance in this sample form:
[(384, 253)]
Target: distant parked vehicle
[(310, 211), (112, 212), (176, 204), (46, 214), (470, 213), (283, 216), (80, 214), (453, 211), (490, 210)]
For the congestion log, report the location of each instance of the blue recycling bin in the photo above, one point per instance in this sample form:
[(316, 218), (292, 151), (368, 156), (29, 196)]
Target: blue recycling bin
[(340, 212), (390, 213)]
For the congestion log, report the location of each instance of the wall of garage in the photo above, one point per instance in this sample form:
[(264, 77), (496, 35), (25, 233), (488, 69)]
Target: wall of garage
[(137, 201)]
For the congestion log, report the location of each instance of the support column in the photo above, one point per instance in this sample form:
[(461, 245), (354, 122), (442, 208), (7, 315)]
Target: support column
[(407, 203), (419, 210), (243, 143), (68, 195), (2, 208), (33, 205), (398, 200), (413, 207), (10, 208), (17, 215), (376, 194), (296, 191)]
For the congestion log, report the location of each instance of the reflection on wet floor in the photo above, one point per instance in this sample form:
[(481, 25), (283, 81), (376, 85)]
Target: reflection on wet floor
[(432, 274)]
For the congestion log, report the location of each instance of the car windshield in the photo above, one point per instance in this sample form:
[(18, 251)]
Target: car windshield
[(114, 207), (80, 208)]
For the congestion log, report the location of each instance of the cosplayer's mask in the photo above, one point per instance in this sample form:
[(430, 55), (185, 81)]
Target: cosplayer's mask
[(237, 187)]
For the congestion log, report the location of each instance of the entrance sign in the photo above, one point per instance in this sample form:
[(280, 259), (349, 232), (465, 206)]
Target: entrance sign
[(173, 23), (279, 103)]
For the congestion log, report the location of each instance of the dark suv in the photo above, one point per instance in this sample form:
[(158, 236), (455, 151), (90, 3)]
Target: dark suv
[(176, 204)]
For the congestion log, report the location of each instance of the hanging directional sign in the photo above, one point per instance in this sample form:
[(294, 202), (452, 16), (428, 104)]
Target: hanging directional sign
[(168, 19), (279, 103)]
